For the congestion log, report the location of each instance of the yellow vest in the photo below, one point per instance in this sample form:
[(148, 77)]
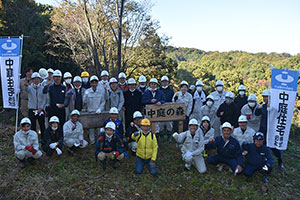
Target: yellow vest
[(146, 145)]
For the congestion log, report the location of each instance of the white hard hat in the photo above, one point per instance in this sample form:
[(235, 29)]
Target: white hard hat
[(137, 114), (35, 75), (94, 78), (111, 125), (113, 110), (131, 81), (199, 83), (252, 97), (104, 73), (57, 73), (54, 119), (153, 80), (205, 118), (229, 94), (75, 112), (43, 73), (226, 125), (50, 70), (113, 80), (193, 122), (241, 87), (184, 83), (219, 82), (25, 120), (77, 79), (266, 93), (142, 79), (164, 78), (242, 118), (67, 75), (122, 75), (210, 97)]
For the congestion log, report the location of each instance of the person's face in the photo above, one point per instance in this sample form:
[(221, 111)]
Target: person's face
[(243, 125), (145, 128), (164, 83), (258, 143), (152, 85), (193, 128), (54, 124), (183, 89), (113, 116), (36, 81), (142, 83), (266, 99), (68, 79), (77, 84), (205, 124), (109, 131), (104, 78), (57, 79), (74, 118), (131, 86), (122, 80), (29, 73), (113, 86), (50, 75), (137, 121), (226, 132), (94, 84), (25, 127)]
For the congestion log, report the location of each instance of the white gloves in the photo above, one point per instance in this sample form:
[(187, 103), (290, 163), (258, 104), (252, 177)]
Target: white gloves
[(53, 145), (58, 151), (188, 155), (77, 145), (175, 135), (98, 110)]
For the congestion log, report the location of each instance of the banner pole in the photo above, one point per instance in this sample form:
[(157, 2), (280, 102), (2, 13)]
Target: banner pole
[(269, 101)]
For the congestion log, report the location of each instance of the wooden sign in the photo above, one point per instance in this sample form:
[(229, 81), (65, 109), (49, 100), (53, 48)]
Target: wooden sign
[(165, 112), (93, 120)]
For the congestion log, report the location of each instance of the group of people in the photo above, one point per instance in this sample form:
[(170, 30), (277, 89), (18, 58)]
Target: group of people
[(235, 126)]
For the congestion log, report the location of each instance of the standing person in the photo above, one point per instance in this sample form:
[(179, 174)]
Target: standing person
[(249, 111), (142, 84), (115, 97), (44, 75), (26, 144), (184, 97), (241, 99), (169, 93), (146, 148), (23, 94), (53, 138), (122, 82), (243, 132), (132, 101), (58, 98), (36, 102), (85, 80), (68, 83), (211, 111), (262, 111), (95, 102), (192, 147), (228, 111), (135, 126), (199, 98), (77, 94), (103, 85)]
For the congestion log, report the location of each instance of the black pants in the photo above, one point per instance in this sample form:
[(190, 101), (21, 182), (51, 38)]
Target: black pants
[(58, 112), (48, 151), (33, 118)]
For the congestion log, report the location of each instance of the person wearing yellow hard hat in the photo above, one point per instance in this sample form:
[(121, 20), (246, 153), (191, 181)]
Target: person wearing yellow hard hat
[(146, 148), (85, 80)]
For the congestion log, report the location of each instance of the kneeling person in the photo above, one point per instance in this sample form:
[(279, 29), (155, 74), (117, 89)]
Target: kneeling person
[(193, 146), (109, 146), (26, 143), (134, 127)]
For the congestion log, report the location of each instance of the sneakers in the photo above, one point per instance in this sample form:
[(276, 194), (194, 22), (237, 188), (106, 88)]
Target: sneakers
[(70, 152), (265, 180), (280, 164), (220, 168), (114, 164), (186, 169), (22, 164)]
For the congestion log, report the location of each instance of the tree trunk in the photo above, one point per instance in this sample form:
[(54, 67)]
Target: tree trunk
[(119, 62)]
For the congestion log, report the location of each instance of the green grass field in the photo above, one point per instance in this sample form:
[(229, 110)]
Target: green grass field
[(80, 177)]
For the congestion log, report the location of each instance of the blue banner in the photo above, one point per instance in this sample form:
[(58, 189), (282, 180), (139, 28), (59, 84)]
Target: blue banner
[(10, 47), (284, 79)]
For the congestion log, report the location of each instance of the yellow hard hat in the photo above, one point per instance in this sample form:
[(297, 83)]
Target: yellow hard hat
[(85, 74), (145, 122)]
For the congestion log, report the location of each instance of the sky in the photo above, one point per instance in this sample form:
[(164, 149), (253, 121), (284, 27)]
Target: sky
[(225, 25)]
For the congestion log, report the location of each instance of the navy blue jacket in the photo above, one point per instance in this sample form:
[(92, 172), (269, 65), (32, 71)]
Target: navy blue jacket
[(57, 94), (159, 96), (119, 127), (264, 118), (168, 92), (50, 137), (240, 102), (230, 113), (232, 150), (103, 145), (258, 156)]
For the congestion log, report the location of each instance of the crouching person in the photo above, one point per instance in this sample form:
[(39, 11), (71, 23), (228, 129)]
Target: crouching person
[(26, 144), (134, 127), (258, 157), (53, 138), (207, 131), (109, 146), (146, 148), (228, 149), (73, 133), (192, 146)]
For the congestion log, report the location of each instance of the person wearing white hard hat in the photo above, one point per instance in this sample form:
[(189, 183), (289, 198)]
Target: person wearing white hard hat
[(208, 109), (249, 111), (43, 73), (76, 94), (132, 101), (183, 96), (109, 147), (104, 80), (134, 127), (228, 111), (169, 93), (94, 101), (122, 82), (114, 112), (243, 133), (23, 94), (142, 87), (53, 138), (68, 80), (241, 99), (58, 97), (36, 102), (26, 143), (229, 151), (73, 133), (46, 83), (68, 83), (192, 146), (207, 131), (262, 111), (116, 98), (199, 98)]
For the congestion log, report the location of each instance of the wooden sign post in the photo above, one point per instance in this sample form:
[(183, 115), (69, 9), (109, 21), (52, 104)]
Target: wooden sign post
[(166, 112), (93, 120)]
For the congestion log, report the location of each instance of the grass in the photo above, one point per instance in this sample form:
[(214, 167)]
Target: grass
[(80, 177)]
